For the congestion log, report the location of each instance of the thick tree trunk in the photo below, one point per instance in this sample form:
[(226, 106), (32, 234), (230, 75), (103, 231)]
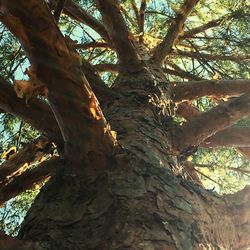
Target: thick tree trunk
[(138, 203), (135, 206)]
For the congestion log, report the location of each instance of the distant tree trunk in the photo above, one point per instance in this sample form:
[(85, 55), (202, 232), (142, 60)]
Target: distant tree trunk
[(138, 203)]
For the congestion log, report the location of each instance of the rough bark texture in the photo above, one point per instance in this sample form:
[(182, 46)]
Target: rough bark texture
[(123, 194)]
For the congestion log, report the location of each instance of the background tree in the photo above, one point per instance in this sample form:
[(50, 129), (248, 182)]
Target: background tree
[(118, 106)]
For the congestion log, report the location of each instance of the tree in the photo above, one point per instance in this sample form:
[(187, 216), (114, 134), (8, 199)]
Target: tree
[(116, 182)]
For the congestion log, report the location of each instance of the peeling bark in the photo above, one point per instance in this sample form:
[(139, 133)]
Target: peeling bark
[(30, 113)]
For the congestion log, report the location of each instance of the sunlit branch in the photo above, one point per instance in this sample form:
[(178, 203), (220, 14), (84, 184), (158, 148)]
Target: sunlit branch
[(136, 11), (101, 90), (174, 31), (28, 179), (20, 161), (58, 66), (186, 110)]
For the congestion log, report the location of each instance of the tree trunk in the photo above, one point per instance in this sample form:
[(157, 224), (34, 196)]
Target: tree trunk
[(138, 203)]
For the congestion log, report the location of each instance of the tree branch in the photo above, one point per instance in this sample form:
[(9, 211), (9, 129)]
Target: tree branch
[(174, 31), (236, 58), (119, 35), (186, 110), (195, 89), (92, 45), (77, 13), (30, 113), (142, 16), (21, 160), (59, 9), (107, 67), (28, 179), (58, 65), (197, 130), (229, 137), (99, 87)]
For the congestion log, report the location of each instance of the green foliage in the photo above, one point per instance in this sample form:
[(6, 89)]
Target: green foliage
[(14, 211)]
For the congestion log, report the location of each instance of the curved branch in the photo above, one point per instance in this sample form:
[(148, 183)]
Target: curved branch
[(195, 89), (174, 31)]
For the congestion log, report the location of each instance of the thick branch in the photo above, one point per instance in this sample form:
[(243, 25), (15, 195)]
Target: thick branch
[(174, 31), (58, 65), (20, 161), (186, 110), (195, 89), (107, 67), (119, 35), (30, 113), (201, 127), (229, 137), (28, 180)]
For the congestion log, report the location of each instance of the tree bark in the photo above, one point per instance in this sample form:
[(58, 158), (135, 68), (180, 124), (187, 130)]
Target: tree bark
[(123, 194)]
